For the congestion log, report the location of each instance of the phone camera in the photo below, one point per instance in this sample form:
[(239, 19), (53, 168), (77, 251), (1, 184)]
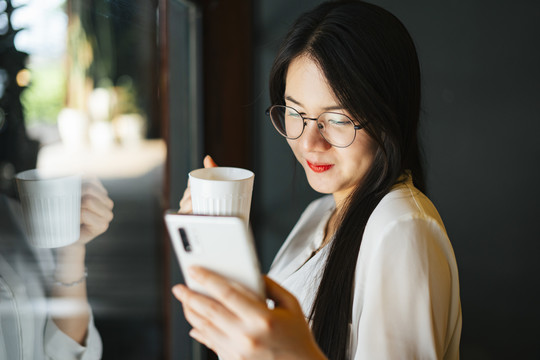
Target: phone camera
[(185, 240)]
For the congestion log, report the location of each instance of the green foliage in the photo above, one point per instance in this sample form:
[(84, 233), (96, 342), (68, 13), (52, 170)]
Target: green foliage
[(45, 96), (126, 92)]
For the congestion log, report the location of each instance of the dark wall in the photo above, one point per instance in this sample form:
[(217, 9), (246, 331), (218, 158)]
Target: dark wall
[(481, 128), (280, 190)]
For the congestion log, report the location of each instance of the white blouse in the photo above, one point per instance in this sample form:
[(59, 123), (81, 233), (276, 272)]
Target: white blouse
[(406, 290)]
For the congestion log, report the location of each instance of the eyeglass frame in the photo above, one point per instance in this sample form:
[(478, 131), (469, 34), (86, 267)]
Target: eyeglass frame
[(355, 126)]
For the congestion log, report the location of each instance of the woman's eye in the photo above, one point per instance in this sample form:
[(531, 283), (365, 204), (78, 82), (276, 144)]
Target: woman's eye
[(294, 114), (337, 122)]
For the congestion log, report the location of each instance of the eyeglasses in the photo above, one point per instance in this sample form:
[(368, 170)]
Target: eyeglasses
[(337, 129)]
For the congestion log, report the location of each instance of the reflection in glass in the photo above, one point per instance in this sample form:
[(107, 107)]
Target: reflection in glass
[(85, 95)]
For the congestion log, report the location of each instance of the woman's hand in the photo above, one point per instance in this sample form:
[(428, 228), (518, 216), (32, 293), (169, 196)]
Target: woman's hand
[(96, 213), (236, 324), (185, 203), (96, 210)]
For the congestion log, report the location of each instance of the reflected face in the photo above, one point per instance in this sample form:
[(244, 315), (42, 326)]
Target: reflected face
[(329, 170)]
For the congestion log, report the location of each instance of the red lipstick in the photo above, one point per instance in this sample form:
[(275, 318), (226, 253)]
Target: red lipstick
[(320, 167)]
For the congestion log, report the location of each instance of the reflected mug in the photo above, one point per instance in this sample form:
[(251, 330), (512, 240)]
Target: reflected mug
[(51, 208)]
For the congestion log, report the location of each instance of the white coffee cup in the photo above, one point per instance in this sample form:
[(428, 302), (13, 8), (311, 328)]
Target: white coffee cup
[(51, 208), (222, 191)]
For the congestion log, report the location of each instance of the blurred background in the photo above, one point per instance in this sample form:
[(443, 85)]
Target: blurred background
[(137, 92)]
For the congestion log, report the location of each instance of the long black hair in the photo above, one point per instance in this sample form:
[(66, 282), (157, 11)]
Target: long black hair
[(371, 64)]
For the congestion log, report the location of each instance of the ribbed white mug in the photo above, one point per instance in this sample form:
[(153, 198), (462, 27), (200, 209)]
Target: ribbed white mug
[(51, 208), (222, 191)]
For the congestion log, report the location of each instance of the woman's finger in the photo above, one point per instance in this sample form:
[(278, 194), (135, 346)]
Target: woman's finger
[(185, 203), (96, 206), (197, 335), (93, 214), (237, 298), (205, 306), (281, 297), (208, 162), (93, 224), (97, 192), (96, 209), (208, 333), (194, 333), (205, 330), (100, 207)]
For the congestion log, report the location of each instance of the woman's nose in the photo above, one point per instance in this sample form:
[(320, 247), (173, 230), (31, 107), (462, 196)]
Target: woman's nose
[(311, 139)]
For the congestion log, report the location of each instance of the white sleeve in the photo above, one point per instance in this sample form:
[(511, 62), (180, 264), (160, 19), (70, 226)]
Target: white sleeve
[(59, 346), (405, 293)]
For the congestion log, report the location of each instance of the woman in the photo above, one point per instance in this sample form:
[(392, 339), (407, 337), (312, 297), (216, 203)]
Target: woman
[(44, 310), (371, 267)]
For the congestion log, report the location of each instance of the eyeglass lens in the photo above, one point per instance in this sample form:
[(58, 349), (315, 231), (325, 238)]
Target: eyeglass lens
[(337, 129)]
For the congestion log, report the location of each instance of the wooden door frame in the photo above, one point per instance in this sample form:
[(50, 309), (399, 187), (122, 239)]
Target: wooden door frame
[(227, 77)]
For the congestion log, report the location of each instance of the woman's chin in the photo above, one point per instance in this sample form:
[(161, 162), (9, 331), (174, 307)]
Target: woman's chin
[(321, 188)]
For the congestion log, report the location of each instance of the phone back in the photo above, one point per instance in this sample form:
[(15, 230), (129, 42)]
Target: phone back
[(222, 244)]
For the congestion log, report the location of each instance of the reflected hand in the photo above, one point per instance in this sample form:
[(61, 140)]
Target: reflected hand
[(185, 204), (96, 215), (236, 324), (96, 210)]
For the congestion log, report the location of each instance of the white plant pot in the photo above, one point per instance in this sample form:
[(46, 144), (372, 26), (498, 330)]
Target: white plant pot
[(101, 135), (73, 127), (129, 128)]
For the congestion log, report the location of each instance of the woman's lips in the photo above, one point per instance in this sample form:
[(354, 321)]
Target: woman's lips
[(319, 168)]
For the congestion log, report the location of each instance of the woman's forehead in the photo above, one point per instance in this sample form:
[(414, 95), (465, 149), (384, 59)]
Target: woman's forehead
[(307, 86)]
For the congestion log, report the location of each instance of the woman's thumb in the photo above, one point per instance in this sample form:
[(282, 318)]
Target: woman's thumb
[(209, 162), (279, 295)]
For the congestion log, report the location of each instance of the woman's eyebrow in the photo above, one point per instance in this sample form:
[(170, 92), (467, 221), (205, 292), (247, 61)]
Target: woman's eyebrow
[(328, 108), (291, 99)]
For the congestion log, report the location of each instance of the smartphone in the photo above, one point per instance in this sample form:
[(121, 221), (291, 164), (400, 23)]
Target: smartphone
[(223, 244)]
